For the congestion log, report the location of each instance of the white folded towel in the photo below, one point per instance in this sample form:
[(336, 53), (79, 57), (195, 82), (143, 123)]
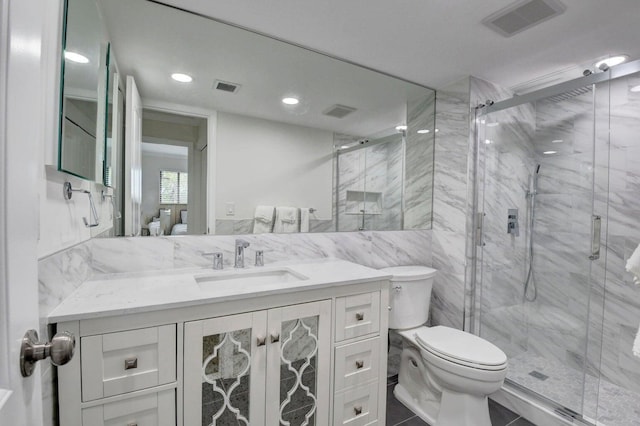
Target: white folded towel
[(633, 265), (287, 220), (263, 219), (304, 219)]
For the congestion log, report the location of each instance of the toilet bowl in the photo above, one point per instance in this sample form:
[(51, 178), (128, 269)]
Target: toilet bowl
[(445, 374)]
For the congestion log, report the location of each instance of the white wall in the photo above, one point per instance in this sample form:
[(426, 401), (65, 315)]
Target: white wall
[(152, 164), (265, 162)]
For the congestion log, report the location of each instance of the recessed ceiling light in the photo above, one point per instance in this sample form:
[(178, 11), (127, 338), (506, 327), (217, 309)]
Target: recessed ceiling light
[(423, 131), (557, 141), (612, 61), (76, 57), (182, 78), (402, 127), (550, 152), (635, 88), (290, 101)]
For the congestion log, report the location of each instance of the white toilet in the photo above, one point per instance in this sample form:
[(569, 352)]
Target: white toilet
[(445, 374)]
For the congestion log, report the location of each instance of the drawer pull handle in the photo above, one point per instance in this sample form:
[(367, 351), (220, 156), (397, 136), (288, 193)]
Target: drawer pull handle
[(359, 364), (359, 316), (261, 340), (357, 409), (130, 363), (275, 337)]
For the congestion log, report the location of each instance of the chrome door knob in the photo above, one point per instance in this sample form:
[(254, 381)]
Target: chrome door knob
[(60, 350)]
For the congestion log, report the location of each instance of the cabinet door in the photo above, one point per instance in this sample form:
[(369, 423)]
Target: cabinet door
[(224, 370), (298, 364)]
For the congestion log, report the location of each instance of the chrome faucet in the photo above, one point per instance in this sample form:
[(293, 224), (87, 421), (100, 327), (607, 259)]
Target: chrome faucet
[(240, 246)]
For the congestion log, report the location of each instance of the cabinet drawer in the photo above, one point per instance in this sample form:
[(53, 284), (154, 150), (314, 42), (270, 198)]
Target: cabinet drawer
[(357, 315), (357, 363), (156, 409), (356, 407), (127, 361)]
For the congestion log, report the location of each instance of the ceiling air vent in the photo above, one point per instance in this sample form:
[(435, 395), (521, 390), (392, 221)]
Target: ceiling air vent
[(226, 86), (523, 15), (338, 111)]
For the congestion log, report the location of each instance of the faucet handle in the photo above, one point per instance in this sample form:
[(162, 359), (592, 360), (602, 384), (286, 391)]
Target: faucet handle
[(259, 257), (217, 259)]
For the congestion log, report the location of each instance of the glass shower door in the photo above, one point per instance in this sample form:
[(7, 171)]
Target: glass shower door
[(536, 179)]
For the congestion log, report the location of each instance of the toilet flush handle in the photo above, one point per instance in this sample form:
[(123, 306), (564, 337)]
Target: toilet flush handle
[(397, 288)]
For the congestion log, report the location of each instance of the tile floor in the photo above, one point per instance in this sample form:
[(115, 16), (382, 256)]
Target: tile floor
[(399, 415)]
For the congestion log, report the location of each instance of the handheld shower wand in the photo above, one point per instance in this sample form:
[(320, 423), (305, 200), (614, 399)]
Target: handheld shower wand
[(529, 282)]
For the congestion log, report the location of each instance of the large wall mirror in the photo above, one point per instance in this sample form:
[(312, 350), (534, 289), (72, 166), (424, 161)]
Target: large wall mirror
[(242, 133)]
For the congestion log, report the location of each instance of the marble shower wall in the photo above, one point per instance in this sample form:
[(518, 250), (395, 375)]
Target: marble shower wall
[(453, 196)]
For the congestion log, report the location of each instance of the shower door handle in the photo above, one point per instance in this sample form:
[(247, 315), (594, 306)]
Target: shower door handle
[(596, 225)]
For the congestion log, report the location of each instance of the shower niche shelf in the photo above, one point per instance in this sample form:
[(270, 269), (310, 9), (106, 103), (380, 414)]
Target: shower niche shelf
[(359, 202)]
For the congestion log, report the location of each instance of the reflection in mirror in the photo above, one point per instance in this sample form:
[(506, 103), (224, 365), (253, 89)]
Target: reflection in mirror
[(84, 60), (113, 122), (173, 174), (302, 142)]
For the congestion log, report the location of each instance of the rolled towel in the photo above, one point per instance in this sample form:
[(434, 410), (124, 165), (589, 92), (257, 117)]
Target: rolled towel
[(263, 219), (287, 220), (304, 219), (633, 265)]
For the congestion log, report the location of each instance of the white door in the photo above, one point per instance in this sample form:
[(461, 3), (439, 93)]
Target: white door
[(133, 161), (22, 118)]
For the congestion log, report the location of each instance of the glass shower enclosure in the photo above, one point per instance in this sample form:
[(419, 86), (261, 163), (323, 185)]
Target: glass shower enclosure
[(556, 215)]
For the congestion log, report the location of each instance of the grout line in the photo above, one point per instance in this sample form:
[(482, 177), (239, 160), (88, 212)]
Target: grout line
[(405, 421)]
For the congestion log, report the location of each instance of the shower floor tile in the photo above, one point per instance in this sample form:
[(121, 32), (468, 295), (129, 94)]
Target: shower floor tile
[(616, 405)]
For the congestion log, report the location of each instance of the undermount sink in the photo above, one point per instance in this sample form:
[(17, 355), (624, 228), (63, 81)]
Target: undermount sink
[(248, 277)]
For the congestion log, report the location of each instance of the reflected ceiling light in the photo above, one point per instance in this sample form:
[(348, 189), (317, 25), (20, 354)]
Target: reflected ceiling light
[(399, 128), (76, 57), (557, 141), (550, 152), (344, 147), (423, 131), (612, 61), (488, 141), (494, 124), (436, 130), (182, 78), (290, 101), (635, 88)]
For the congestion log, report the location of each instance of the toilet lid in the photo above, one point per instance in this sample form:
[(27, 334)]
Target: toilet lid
[(460, 347), (409, 273)]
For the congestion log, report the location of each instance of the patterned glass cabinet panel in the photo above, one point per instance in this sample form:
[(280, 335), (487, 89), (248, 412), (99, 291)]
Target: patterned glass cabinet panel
[(235, 367)]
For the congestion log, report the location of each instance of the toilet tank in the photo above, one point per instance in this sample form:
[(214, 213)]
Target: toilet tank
[(410, 295)]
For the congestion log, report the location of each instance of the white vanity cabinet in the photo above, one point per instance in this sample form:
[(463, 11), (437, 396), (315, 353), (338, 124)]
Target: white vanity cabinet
[(315, 356)]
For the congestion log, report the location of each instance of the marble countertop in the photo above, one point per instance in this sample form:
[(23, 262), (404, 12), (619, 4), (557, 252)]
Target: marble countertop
[(120, 294)]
